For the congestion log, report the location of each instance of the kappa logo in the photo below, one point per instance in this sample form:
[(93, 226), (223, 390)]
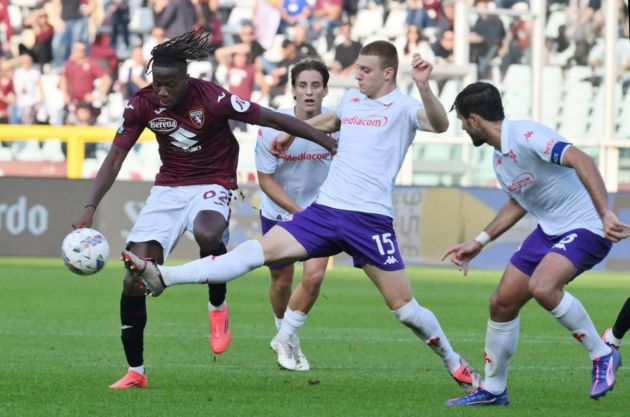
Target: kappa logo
[(162, 124), (565, 241), (239, 104), (197, 117), (221, 97), (160, 110), (390, 261)]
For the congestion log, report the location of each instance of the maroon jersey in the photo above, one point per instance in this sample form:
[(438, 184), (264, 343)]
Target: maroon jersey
[(195, 141)]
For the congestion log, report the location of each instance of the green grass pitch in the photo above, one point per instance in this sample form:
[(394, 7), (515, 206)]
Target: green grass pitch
[(60, 348)]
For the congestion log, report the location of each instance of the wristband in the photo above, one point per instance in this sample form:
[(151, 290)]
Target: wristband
[(483, 238), (90, 205)]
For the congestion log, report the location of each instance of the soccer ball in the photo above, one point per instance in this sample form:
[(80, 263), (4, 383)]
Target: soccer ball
[(85, 251)]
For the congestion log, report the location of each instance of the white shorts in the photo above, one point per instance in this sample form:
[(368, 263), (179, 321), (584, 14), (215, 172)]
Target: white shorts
[(169, 212)]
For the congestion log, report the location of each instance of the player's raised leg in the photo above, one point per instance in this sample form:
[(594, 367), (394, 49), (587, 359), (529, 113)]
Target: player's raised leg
[(396, 290)]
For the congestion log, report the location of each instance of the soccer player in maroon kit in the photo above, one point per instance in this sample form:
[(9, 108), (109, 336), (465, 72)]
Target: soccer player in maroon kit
[(192, 190)]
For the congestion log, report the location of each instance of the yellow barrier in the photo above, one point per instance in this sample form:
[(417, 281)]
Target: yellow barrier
[(75, 136)]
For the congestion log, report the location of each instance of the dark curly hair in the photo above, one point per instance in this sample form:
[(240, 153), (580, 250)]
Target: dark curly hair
[(176, 52)]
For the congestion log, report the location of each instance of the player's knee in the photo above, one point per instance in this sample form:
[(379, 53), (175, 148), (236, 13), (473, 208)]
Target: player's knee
[(539, 289), (282, 278), (498, 305), (208, 240), (313, 279)]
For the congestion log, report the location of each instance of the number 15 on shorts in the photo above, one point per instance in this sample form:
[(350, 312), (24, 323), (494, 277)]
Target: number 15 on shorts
[(384, 243)]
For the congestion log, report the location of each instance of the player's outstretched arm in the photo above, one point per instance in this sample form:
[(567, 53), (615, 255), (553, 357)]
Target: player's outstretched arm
[(295, 127), (432, 116), (508, 216), (276, 193), (590, 176), (103, 181)]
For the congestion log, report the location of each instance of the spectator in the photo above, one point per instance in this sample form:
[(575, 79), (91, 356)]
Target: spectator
[(247, 44), (582, 17), (304, 48), (102, 52), (208, 19), (326, 18), (83, 114), (77, 82), (346, 53), (156, 37), (486, 37), (423, 13), (446, 19), (28, 90), (120, 17), (443, 47), (72, 28), (7, 92), (280, 74), (516, 43), (175, 16), (293, 12), (6, 29), (415, 43), (131, 75), (42, 47)]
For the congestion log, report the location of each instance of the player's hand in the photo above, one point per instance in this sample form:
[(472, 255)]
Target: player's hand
[(420, 69), (614, 229), (85, 219), (462, 254), (280, 144)]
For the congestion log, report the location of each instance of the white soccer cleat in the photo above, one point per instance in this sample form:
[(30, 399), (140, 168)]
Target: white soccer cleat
[(287, 357), (300, 358), (146, 270)]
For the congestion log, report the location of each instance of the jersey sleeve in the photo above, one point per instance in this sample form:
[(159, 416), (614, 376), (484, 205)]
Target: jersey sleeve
[(547, 144), (233, 107), (266, 162), (412, 113), (133, 124)]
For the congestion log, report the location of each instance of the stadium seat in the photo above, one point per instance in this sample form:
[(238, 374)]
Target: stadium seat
[(5, 154), (368, 23), (52, 150), (237, 15), (200, 69), (551, 95), (395, 24), (575, 110), (623, 129), (333, 97), (596, 119), (15, 15), (28, 150)]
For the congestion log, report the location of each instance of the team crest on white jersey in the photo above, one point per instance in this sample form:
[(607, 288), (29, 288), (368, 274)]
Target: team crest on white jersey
[(197, 117), (239, 104), (162, 124)]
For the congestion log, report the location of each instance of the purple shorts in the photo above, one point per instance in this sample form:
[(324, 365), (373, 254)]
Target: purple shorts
[(266, 225), (582, 247), (326, 231)]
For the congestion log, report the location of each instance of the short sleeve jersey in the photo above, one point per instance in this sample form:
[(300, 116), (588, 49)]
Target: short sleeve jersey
[(195, 141), (373, 140), (529, 169), (300, 173)]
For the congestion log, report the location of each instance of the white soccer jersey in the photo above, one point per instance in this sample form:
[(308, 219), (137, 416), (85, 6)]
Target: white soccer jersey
[(373, 140), (528, 169), (300, 174)]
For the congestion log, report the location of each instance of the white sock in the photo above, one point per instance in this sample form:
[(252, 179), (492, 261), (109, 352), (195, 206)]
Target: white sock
[(138, 369), (278, 322), (291, 323), (572, 314), (501, 341), (212, 307), (216, 269), (426, 326)]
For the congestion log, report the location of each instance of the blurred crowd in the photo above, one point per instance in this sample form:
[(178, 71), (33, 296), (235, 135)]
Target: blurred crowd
[(93, 53)]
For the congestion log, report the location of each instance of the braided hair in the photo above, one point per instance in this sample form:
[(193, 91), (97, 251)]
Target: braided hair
[(176, 52)]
